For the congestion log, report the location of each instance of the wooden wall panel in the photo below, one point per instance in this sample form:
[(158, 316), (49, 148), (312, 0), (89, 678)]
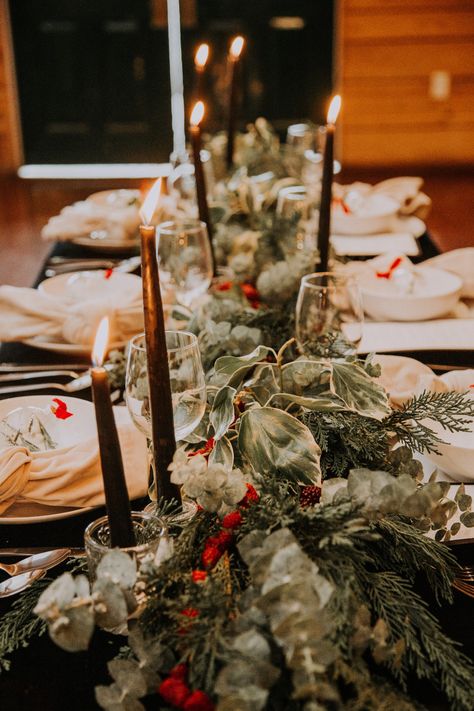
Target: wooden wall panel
[(387, 54), (10, 140)]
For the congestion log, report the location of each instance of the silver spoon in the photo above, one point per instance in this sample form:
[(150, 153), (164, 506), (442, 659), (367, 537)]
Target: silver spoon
[(18, 583), (43, 561)]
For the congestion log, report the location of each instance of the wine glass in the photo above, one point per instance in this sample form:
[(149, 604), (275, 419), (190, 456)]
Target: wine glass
[(184, 260), (329, 315), (188, 393)]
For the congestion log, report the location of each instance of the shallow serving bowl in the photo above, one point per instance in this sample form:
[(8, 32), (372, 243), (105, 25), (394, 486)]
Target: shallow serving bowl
[(435, 294), (372, 215)]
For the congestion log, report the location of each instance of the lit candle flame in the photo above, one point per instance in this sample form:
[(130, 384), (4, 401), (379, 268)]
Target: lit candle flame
[(150, 202), (100, 343), (201, 56), (236, 47), (334, 108), (197, 113)]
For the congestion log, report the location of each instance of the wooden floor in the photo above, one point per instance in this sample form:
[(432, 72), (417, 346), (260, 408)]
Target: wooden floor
[(25, 206)]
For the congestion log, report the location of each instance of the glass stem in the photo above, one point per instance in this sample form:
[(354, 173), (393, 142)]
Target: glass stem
[(151, 471)]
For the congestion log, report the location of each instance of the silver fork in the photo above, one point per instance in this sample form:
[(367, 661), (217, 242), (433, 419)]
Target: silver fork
[(81, 383)]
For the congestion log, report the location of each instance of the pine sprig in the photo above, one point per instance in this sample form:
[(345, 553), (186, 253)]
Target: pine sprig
[(452, 410), (19, 624)]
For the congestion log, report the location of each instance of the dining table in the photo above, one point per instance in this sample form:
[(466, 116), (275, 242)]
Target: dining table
[(44, 677)]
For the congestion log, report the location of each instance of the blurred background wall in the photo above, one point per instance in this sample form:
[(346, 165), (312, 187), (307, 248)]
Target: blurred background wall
[(85, 81)]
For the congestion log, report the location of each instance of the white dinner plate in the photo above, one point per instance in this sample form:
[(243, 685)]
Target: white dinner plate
[(67, 348), (65, 432), (107, 245), (94, 284)]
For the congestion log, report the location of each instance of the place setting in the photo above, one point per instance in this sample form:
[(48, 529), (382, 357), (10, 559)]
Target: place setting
[(237, 427)]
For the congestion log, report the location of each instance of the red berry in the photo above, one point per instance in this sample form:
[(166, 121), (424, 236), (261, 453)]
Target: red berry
[(174, 691), (199, 576), (210, 556), (180, 671), (198, 701), (310, 495), (232, 520), (250, 497)]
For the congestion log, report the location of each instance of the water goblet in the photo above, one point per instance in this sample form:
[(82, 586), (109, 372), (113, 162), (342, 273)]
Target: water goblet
[(329, 315), (184, 260)]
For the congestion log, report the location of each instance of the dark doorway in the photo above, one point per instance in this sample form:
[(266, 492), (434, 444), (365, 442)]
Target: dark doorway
[(94, 76)]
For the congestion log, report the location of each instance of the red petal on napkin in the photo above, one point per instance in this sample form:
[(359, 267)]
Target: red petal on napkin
[(60, 411), (386, 275), (108, 273)]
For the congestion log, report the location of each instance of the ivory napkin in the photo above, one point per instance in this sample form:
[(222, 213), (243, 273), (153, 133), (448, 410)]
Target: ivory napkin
[(82, 218), (406, 190), (71, 476), (27, 313)]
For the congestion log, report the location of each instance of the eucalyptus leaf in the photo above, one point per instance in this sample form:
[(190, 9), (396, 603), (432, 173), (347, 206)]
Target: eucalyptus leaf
[(263, 383), (271, 440), (126, 673), (306, 377), (359, 391), (111, 597), (119, 567), (73, 630), (222, 412), (467, 518), (317, 404)]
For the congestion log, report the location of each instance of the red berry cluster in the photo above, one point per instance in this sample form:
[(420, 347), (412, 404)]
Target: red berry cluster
[(310, 496), (175, 691)]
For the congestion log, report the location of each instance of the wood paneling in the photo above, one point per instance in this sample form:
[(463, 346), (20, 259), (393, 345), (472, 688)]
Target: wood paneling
[(10, 141), (388, 51)]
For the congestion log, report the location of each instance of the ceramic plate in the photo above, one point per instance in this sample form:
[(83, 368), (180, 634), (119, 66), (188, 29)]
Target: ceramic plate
[(96, 284), (67, 348), (107, 245), (65, 432)]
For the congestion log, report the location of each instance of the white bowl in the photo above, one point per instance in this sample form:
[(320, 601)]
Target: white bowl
[(374, 214), (436, 293)]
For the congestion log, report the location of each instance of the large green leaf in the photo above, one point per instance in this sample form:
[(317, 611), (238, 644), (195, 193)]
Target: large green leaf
[(359, 391), (331, 403), (222, 412), (271, 440), (222, 453), (263, 382), (306, 377), (228, 365)]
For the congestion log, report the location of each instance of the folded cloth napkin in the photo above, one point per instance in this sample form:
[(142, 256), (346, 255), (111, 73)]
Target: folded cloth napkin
[(404, 377), (405, 190), (71, 476), (460, 262), (82, 218), (27, 313)]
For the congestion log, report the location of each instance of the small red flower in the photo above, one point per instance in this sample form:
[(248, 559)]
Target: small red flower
[(199, 576), (232, 520), (224, 286), (206, 450), (211, 556), (108, 273), (60, 411), (251, 497), (174, 691), (198, 701), (386, 275), (190, 612), (310, 495), (251, 294)]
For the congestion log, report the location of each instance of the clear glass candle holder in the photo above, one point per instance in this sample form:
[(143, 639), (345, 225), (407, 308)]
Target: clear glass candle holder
[(149, 531)]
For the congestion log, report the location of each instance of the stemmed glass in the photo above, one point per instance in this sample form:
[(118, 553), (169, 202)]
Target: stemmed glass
[(184, 260), (329, 315), (188, 388)]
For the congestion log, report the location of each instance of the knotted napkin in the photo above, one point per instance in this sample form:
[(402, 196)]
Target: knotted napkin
[(27, 313), (406, 190), (71, 476)]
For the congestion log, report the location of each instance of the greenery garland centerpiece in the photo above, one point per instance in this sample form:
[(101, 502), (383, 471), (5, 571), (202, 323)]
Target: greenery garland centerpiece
[(295, 587)]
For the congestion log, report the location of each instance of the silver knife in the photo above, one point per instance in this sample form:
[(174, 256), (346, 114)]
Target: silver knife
[(35, 550), (38, 561)]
